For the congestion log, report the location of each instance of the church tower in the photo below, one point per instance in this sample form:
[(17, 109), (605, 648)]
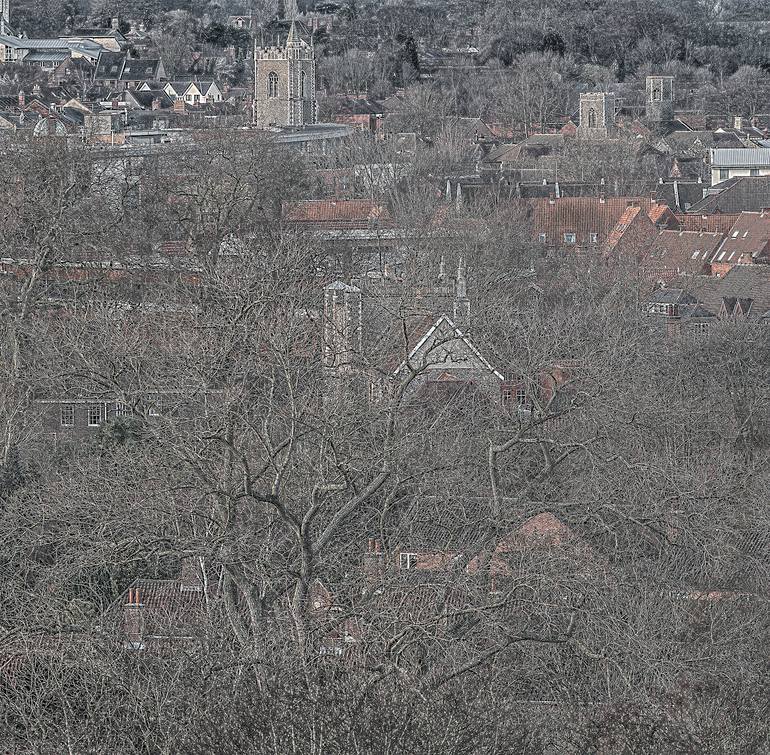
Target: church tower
[(597, 115), (284, 83), (5, 16), (660, 99)]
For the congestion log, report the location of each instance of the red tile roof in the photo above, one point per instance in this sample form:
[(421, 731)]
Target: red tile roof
[(680, 252), (710, 223), (747, 242), (582, 216), (338, 213)]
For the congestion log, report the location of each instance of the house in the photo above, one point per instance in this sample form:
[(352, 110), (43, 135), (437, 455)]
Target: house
[(359, 112), (747, 243), (374, 344), (533, 147), (337, 214), (731, 163), (694, 305), (159, 614), (50, 52), (677, 253), (110, 39), (735, 195), (584, 223), (115, 70), (193, 92)]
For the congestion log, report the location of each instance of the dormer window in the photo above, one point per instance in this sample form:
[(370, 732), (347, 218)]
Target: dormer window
[(542, 238), (570, 238), (593, 238)]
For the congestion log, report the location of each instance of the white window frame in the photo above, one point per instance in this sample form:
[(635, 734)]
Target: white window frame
[(570, 238), (122, 409), (92, 408), (593, 238), (70, 415), (542, 238), (407, 561)]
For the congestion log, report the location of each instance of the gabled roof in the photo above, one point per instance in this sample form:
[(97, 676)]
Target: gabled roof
[(736, 158), (455, 335), (747, 241), (743, 193), (683, 251), (139, 69), (338, 213)]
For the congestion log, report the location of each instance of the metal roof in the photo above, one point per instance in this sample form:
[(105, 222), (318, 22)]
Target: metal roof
[(735, 158)]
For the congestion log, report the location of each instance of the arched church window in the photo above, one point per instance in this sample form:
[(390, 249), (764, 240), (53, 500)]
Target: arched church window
[(272, 84), (591, 118), (302, 81)]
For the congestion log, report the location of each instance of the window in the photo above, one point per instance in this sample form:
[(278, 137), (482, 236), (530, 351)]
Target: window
[(407, 560), (542, 238), (68, 415), (272, 84), (302, 80), (593, 238), (700, 328), (591, 118), (570, 238), (754, 172), (122, 410), (95, 414), (724, 174), (521, 396)]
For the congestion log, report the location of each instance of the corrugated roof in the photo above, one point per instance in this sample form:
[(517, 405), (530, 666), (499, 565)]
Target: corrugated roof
[(759, 157)]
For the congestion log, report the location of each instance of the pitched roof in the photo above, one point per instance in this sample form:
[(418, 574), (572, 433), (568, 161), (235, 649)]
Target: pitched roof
[(712, 223), (680, 252), (139, 69), (338, 213), (733, 158), (743, 193), (748, 240), (582, 216), (745, 282)]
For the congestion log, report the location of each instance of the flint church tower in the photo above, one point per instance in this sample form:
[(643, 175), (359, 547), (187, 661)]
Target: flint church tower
[(5, 16), (284, 83)]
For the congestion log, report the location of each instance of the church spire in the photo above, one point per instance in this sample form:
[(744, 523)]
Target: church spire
[(293, 40)]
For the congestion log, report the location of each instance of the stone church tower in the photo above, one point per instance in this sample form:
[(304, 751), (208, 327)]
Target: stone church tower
[(660, 99), (5, 16), (284, 83), (597, 115)]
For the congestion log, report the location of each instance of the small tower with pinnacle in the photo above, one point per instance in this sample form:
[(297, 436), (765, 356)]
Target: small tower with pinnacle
[(284, 82)]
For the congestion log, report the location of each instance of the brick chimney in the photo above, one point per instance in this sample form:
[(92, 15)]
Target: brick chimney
[(156, 104), (114, 23), (179, 105), (374, 561), (115, 104), (133, 620), (22, 99), (190, 578)]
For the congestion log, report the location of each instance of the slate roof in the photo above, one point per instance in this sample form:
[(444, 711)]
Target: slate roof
[(743, 193), (741, 282), (107, 62), (680, 196), (140, 69)]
